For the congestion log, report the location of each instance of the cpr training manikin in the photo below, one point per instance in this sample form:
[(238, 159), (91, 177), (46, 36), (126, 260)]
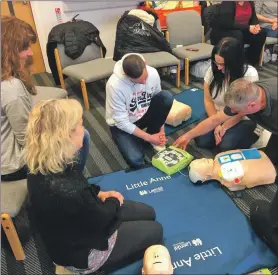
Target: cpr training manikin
[(236, 169), (157, 260), (179, 113)]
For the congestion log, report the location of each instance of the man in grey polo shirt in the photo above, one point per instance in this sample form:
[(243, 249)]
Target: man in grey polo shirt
[(259, 102), (256, 100), (267, 116)]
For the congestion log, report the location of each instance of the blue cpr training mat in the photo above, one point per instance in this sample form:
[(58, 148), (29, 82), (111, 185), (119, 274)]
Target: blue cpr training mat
[(195, 99), (204, 230)]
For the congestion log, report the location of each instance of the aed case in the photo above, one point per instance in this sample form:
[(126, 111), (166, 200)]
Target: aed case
[(171, 160)]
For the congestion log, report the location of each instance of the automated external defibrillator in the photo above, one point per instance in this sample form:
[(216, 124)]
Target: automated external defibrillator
[(171, 160)]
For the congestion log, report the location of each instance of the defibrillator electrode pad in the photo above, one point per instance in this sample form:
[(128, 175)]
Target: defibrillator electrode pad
[(232, 170), (242, 155)]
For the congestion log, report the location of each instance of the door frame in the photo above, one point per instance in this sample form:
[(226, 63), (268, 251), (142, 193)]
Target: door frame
[(40, 11)]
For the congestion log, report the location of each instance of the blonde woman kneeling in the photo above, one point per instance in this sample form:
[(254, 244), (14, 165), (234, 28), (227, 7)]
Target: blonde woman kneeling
[(82, 227)]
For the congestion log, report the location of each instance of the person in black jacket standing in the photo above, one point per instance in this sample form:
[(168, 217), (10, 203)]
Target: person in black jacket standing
[(83, 228), (238, 19)]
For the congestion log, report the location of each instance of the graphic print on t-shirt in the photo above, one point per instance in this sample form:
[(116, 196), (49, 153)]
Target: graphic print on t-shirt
[(140, 103)]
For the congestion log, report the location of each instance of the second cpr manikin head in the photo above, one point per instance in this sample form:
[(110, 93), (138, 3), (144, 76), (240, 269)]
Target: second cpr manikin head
[(157, 260)]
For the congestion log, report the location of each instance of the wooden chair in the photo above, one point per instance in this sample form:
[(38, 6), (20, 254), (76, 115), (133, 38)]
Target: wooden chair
[(163, 60), (271, 40), (60, 270), (13, 195), (268, 41), (185, 30), (89, 67)]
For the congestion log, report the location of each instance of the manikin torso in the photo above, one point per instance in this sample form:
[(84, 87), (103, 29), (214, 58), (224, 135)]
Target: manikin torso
[(179, 112), (256, 171), (248, 172)]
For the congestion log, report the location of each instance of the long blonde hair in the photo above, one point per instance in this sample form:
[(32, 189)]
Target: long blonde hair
[(16, 36), (49, 148)]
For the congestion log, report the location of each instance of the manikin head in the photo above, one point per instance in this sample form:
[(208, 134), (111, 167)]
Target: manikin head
[(200, 170), (157, 260)]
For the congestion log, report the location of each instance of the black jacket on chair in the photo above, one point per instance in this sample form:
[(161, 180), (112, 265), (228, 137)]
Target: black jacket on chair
[(70, 217), (208, 14), (75, 36), (136, 36), (225, 19)]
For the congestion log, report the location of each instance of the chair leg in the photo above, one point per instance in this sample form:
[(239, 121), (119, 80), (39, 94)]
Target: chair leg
[(186, 73), (62, 81), (85, 94), (12, 237), (178, 75), (60, 270), (262, 56), (59, 68)]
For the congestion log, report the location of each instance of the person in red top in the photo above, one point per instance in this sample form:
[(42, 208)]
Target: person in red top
[(238, 19)]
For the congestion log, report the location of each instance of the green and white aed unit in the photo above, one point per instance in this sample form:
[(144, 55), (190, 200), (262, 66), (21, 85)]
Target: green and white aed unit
[(171, 160)]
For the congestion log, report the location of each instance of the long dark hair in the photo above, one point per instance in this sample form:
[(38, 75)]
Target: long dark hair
[(231, 50)]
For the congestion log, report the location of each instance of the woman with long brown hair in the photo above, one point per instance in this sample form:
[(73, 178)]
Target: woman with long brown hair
[(16, 56), (17, 90)]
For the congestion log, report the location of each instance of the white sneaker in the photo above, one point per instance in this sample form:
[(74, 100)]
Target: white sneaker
[(158, 148)]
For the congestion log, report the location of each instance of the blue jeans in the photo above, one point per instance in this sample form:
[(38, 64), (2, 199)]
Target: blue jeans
[(241, 136), (132, 147), (270, 32), (84, 150)]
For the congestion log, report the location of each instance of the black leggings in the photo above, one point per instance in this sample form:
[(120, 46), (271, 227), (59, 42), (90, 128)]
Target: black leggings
[(263, 214), (18, 175), (264, 219), (271, 149), (256, 42), (137, 232)]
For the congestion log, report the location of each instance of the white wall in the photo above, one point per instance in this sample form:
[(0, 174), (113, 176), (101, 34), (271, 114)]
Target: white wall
[(45, 20), (105, 19)]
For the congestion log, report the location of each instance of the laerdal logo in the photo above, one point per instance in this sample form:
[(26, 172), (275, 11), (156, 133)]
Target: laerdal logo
[(143, 192), (141, 184), (197, 242), (152, 191), (203, 256), (181, 245)]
